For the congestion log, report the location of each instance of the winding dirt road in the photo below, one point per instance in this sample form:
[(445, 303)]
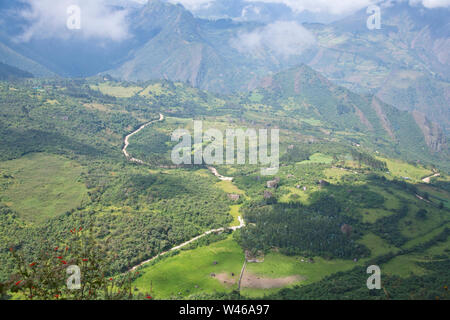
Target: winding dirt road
[(242, 224), (428, 179), (127, 139), (212, 169), (221, 177)]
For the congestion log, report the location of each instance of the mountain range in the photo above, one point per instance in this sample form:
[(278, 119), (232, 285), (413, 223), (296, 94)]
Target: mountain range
[(406, 63)]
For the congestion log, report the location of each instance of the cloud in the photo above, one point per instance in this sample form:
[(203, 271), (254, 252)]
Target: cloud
[(322, 6), (430, 4), (284, 38), (48, 19), (194, 5), (333, 7), (344, 6)]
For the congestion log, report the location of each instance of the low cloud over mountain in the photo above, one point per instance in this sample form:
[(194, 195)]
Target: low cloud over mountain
[(48, 19), (282, 38)]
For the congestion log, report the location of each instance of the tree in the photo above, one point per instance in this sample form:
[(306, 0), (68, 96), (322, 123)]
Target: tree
[(422, 214), (49, 277)]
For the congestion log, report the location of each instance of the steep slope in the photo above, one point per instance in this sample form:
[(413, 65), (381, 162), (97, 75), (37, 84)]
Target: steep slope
[(303, 93), (15, 59), (405, 63), (8, 72), (180, 47)]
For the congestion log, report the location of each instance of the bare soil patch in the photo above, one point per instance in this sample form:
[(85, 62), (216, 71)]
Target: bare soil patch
[(226, 279), (253, 281)]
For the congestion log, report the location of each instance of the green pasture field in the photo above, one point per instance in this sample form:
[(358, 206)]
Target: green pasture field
[(190, 271), (40, 186)]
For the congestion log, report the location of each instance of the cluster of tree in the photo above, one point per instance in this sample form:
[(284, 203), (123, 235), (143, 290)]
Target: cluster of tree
[(141, 214), (388, 227), (367, 159), (300, 230), (352, 284), (75, 268)]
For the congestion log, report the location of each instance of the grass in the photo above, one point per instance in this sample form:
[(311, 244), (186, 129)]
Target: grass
[(412, 227), (153, 89), (295, 195), (318, 158), (312, 122), (43, 186), (405, 170), (391, 203), (403, 266), (234, 211), (183, 272), (117, 91), (426, 237), (276, 265), (377, 245), (442, 248), (436, 195), (256, 97), (229, 187), (372, 215), (334, 175)]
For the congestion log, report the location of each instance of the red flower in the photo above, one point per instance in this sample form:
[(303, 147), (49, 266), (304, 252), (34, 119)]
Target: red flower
[(11, 249), (85, 260), (67, 248), (18, 282), (110, 279), (71, 231), (63, 262), (59, 257), (148, 297), (56, 249), (81, 228), (56, 296), (32, 264)]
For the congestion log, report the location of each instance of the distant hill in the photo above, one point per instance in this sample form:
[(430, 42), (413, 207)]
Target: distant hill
[(301, 92), (8, 72), (17, 60), (180, 47), (406, 63)]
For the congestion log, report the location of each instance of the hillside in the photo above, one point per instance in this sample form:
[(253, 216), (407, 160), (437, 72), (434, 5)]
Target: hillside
[(62, 166), (405, 63), (303, 93), (10, 73)]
